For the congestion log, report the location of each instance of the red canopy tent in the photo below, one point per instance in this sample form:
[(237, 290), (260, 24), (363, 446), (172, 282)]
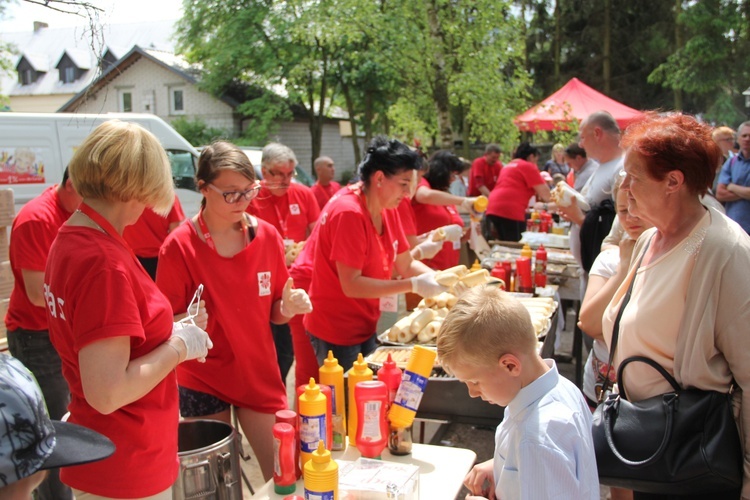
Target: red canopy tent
[(574, 101)]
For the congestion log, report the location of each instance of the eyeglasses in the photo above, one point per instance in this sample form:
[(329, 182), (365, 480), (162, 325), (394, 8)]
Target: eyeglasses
[(235, 196), (278, 175)]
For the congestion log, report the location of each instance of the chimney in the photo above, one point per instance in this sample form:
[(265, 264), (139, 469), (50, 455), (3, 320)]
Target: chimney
[(39, 25)]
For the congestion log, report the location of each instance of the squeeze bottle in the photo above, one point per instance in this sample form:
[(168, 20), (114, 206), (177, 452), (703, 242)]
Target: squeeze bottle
[(524, 280), (390, 374), (284, 468), (526, 251), (321, 475), (413, 383), (540, 268), (372, 426), (332, 375), (290, 417), (312, 420), (358, 373), (326, 391), (480, 204)]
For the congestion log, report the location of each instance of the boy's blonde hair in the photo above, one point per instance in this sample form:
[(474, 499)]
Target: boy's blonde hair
[(485, 324), (122, 161)]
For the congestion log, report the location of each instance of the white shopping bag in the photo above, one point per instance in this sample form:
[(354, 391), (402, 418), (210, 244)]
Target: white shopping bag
[(477, 241)]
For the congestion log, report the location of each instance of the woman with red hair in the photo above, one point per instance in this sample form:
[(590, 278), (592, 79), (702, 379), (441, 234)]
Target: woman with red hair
[(690, 303)]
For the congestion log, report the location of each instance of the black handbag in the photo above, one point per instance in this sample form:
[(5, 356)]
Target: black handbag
[(681, 442)]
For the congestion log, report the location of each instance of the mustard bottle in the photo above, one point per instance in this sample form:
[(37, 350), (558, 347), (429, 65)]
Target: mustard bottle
[(358, 373), (480, 204), (312, 420), (476, 266), (321, 475), (526, 251), (410, 392), (332, 375)]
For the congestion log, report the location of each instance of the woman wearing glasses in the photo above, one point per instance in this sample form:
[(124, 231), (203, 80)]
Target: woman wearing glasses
[(357, 243), (113, 330), (240, 261)]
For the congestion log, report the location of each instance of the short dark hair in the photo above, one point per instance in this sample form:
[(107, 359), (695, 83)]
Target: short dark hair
[(388, 156), (65, 176), (575, 150), (442, 164), (492, 148), (524, 150)]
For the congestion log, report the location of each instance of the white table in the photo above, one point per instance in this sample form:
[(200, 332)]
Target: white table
[(441, 470)]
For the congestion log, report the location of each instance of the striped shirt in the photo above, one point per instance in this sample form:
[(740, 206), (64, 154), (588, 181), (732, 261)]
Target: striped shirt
[(543, 447)]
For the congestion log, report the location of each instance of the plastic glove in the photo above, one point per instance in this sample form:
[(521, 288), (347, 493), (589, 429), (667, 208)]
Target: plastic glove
[(453, 232), (196, 340), (426, 286), (468, 204), (428, 248), (294, 300)]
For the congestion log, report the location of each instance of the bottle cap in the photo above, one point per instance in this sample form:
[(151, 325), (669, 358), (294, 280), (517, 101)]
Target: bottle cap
[(360, 364), (287, 417), (330, 361), (389, 363), (312, 389), (285, 490), (321, 455)]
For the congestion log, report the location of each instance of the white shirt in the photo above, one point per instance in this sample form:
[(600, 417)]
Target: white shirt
[(543, 446)]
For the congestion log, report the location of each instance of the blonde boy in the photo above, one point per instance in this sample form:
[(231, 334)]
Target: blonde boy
[(543, 446)]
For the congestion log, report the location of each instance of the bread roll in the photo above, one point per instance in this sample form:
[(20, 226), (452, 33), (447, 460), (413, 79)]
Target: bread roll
[(446, 278), (476, 278), (429, 332), (421, 320), (401, 325), (438, 234)]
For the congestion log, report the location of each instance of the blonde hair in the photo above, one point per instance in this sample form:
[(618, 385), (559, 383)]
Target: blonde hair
[(722, 131), (122, 161), (485, 324), (558, 148)]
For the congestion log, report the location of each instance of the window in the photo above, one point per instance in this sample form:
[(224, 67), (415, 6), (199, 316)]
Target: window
[(126, 101), (178, 103), (183, 168), (68, 74)]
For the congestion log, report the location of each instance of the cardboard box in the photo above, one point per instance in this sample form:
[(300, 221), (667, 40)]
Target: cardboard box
[(7, 207), (6, 280)]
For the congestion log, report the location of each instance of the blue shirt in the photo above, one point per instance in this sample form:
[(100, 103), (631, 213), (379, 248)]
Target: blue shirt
[(543, 447), (736, 170)]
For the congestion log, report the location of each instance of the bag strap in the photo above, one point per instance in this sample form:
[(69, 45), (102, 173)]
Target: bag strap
[(616, 327), (650, 362)]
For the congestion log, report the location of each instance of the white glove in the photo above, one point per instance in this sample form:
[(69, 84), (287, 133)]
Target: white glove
[(428, 248), (453, 232), (197, 342), (468, 204), (426, 286), (294, 300)]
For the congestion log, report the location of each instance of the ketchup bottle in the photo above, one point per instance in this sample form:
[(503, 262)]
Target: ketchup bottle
[(372, 425), (540, 268), (284, 468), (499, 272), (290, 417), (390, 374)]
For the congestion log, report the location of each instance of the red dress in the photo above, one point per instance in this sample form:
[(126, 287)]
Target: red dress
[(347, 235), (239, 292), (98, 290), (429, 217)]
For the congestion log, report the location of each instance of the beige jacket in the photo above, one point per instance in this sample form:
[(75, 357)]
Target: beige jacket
[(714, 340)]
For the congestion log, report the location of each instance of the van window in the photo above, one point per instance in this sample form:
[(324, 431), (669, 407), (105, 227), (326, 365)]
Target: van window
[(183, 168)]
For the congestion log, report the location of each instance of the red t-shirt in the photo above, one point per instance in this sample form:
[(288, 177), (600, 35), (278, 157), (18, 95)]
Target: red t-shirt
[(291, 214), (151, 229), (406, 214), (33, 231), (514, 188), (323, 193), (347, 235), (483, 174), (429, 217), (239, 293), (97, 291)]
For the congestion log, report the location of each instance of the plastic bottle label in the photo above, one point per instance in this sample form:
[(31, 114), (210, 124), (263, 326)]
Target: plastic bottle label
[(312, 429), (411, 390), (318, 495), (276, 460), (333, 398), (371, 422)]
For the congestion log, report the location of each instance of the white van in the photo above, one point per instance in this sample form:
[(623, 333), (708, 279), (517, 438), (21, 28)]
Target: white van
[(36, 147)]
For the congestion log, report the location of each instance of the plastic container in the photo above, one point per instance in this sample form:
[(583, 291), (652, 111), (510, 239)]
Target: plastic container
[(284, 466), (525, 252), (480, 204), (321, 475), (326, 391), (524, 281), (499, 272), (390, 374), (290, 417), (372, 423), (400, 440), (413, 383), (540, 267), (332, 375), (476, 266), (312, 420), (359, 372)]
